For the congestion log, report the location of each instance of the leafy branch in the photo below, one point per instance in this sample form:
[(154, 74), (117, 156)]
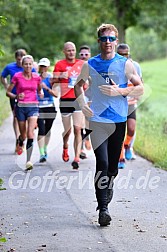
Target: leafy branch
[(3, 20)]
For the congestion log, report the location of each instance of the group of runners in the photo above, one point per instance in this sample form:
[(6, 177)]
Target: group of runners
[(93, 95)]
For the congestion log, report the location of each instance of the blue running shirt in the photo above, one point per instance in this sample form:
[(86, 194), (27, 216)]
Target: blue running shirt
[(48, 99), (107, 109), (10, 70)]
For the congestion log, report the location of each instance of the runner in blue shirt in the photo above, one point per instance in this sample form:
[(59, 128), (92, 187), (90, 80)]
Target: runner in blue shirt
[(107, 113), (47, 109), (10, 70)]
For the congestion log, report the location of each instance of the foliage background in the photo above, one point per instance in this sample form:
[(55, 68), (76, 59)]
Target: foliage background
[(42, 27)]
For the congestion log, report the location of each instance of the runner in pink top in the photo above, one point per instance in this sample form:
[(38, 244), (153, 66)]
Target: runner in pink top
[(27, 88)]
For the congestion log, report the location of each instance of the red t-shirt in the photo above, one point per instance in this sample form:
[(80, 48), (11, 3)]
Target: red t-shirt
[(67, 74)]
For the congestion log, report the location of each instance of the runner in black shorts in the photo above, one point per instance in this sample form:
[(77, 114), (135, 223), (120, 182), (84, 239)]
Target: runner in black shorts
[(65, 74), (47, 110)]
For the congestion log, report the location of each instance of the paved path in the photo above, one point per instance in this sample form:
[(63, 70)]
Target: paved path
[(52, 208)]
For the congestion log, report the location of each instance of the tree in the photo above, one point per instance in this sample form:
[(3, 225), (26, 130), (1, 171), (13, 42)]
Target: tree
[(124, 14), (42, 27), (2, 22)]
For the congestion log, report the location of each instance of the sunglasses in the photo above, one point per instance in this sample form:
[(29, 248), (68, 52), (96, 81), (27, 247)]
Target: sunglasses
[(84, 54), (105, 38), (123, 54)]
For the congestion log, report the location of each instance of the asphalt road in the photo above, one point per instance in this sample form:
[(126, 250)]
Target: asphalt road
[(53, 208)]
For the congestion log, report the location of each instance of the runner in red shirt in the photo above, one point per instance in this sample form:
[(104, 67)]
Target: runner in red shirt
[(65, 74)]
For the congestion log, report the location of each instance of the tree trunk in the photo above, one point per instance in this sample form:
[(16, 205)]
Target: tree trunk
[(121, 35)]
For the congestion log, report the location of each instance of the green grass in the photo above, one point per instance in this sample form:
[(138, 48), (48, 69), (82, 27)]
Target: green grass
[(4, 106), (151, 140)]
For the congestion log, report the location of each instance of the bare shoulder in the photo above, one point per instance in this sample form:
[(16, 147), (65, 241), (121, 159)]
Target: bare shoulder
[(84, 75), (129, 69)]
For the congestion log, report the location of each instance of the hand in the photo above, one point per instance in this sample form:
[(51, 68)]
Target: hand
[(41, 94), (44, 75), (87, 111), (110, 90), (21, 96), (64, 75)]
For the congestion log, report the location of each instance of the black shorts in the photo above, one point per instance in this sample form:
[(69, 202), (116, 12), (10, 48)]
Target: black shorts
[(47, 112), (131, 112), (13, 103), (68, 106)]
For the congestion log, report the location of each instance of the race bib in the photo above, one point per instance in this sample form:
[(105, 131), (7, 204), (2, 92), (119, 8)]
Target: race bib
[(72, 81)]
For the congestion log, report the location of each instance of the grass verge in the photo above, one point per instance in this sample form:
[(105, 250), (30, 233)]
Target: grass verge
[(4, 106), (151, 138)]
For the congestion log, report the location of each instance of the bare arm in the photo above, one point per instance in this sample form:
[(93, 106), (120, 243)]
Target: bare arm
[(53, 91), (79, 92), (57, 76), (9, 92), (135, 90), (5, 82), (40, 91), (78, 88)]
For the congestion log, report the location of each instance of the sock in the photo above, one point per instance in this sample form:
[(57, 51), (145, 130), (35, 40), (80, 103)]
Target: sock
[(122, 155), (128, 140), (20, 141), (45, 148), (132, 140), (29, 147), (42, 152)]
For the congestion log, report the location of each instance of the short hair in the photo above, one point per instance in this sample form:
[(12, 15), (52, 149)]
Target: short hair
[(27, 56), (106, 27), (68, 43), (123, 47), (20, 53), (85, 47)]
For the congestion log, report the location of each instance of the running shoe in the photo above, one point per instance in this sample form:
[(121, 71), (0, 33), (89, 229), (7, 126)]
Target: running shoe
[(128, 152), (46, 155), (42, 159), (29, 166), (133, 155), (121, 164), (19, 149), (104, 217), (75, 164), (83, 155), (65, 155), (87, 144)]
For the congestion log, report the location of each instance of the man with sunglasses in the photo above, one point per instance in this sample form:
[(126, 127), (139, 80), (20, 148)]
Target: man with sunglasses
[(84, 52), (127, 148), (109, 73)]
